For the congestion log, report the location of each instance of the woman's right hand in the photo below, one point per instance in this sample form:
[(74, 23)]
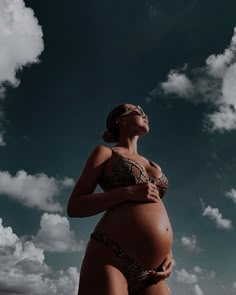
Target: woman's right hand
[(142, 192)]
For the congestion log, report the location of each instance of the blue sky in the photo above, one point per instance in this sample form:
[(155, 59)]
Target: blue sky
[(63, 67)]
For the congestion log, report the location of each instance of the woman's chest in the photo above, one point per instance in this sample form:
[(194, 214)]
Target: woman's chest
[(120, 171)]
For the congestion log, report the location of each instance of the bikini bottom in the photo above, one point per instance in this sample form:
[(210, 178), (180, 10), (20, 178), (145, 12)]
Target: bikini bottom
[(137, 276)]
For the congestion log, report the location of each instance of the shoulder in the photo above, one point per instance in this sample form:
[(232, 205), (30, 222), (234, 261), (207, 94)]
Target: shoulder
[(102, 149), (100, 153)]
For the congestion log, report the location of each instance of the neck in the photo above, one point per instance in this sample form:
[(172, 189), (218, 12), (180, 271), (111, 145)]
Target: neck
[(129, 144)]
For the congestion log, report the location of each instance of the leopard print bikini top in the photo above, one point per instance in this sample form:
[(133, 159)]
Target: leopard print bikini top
[(122, 171)]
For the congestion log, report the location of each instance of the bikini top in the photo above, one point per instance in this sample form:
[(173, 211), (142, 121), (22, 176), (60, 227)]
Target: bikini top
[(122, 171)]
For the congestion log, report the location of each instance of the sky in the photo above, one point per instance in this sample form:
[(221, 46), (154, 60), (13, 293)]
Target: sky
[(63, 67)]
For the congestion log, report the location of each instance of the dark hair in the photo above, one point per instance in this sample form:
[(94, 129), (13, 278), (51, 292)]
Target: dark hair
[(111, 134)]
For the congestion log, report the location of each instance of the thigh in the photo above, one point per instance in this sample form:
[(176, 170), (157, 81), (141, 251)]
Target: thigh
[(161, 288), (99, 272)]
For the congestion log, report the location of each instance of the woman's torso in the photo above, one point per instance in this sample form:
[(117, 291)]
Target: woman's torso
[(142, 228)]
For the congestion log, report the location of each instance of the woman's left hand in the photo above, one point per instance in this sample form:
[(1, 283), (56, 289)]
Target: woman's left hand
[(167, 266)]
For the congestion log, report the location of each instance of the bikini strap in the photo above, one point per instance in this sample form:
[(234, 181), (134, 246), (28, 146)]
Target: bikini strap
[(115, 152)]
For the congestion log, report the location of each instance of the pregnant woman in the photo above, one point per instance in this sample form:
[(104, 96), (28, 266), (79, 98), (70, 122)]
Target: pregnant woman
[(129, 251)]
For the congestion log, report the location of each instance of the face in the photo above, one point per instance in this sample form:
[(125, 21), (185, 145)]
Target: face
[(135, 118), (135, 110)]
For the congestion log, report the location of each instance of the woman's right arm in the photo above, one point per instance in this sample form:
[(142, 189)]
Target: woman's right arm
[(83, 202)]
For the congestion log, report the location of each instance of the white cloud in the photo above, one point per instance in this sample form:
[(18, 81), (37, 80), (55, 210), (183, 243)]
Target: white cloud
[(217, 64), (7, 237), (215, 215), (231, 195), (228, 87), (197, 290), (234, 285), (23, 269), (213, 83), (197, 269), (189, 279), (2, 142), (222, 119), (211, 274), (204, 273), (67, 182), (33, 190), (62, 282), (177, 83), (21, 43), (55, 235), (20, 38), (182, 276), (190, 243)]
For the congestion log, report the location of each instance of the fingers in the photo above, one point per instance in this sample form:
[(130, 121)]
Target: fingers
[(153, 198), (145, 191), (166, 264), (164, 274), (152, 192), (157, 276)]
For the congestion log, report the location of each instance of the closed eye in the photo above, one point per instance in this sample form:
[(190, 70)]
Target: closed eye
[(136, 113)]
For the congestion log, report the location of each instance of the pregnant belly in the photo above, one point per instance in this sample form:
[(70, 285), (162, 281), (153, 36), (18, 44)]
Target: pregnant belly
[(143, 230)]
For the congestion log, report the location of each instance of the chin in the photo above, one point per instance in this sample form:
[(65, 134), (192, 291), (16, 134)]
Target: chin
[(144, 131), (146, 127)]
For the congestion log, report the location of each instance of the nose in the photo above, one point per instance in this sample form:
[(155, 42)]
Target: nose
[(145, 117)]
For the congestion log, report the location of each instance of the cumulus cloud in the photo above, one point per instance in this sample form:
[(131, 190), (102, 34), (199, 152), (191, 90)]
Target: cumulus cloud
[(213, 83), (204, 273), (217, 65), (62, 282), (67, 182), (33, 190), (23, 269), (21, 43), (197, 269), (55, 235), (7, 237), (190, 244), (231, 195), (178, 83), (189, 279), (197, 290), (2, 142), (182, 276), (21, 40), (215, 215), (211, 274)]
